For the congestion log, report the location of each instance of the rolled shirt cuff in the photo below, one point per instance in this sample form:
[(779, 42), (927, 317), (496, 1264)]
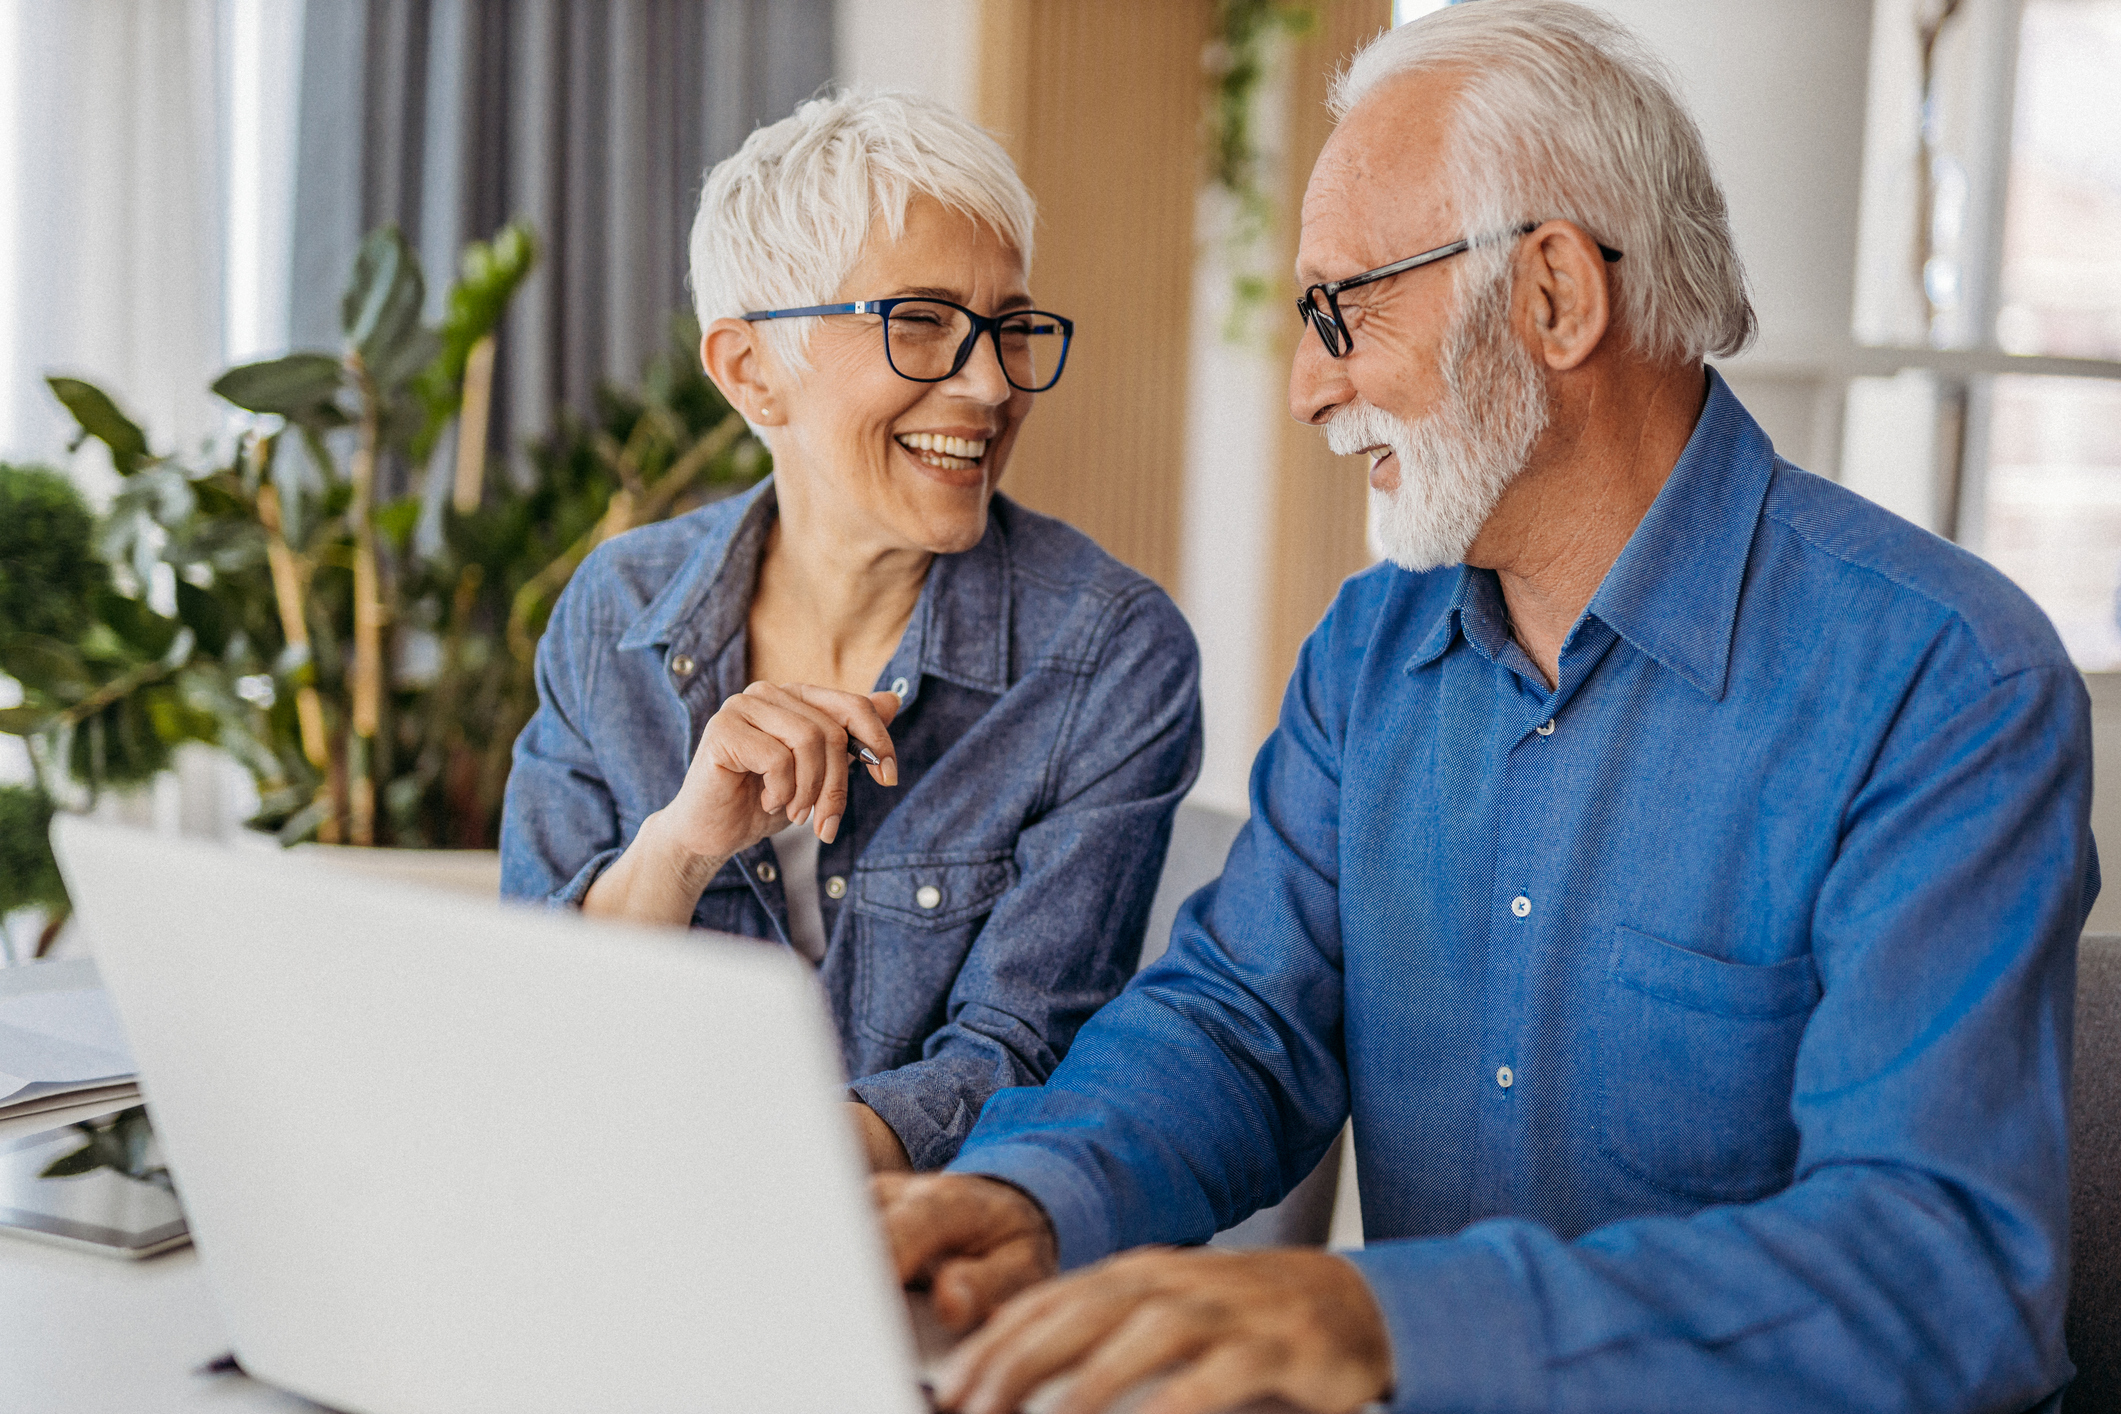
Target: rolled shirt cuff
[(1460, 1330), (902, 1099), (571, 893), (1074, 1203)]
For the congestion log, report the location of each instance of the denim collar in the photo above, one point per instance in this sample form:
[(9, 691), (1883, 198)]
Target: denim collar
[(960, 625), (1673, 593)]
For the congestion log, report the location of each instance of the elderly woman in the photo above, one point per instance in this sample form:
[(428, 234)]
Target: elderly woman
[(872, 710)]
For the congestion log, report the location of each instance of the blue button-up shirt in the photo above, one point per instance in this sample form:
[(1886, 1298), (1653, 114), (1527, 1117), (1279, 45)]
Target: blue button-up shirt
[(995, 898), (1705, 1019)]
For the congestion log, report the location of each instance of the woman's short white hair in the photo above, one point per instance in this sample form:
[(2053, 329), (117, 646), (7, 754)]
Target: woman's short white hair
[(1566, 115), (784, 219)]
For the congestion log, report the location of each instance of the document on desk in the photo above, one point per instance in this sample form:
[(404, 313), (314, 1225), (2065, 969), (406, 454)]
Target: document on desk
[(60, 1042)]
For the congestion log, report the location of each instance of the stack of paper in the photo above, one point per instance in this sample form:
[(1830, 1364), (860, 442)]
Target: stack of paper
[(60, 1043)]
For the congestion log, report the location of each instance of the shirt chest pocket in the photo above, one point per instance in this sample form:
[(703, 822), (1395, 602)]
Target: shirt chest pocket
[(1696, 1060), (915, 919)]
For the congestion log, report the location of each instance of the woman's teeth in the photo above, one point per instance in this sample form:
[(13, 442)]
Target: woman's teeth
[(946, 453)]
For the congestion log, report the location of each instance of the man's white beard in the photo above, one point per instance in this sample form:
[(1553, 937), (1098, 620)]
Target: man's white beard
[(1455, 463)]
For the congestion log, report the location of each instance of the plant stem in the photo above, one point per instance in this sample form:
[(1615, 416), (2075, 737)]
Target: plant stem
[(472, 421), (287, 587), (368, 615)]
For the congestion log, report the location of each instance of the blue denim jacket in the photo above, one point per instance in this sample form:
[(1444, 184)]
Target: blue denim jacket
[(1051, 722), (1705, 1020)]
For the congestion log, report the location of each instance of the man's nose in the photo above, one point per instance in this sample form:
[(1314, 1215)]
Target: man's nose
[(1318, 382)]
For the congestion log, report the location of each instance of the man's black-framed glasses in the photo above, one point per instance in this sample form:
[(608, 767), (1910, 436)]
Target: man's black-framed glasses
[(929, 340), (1320, 305)]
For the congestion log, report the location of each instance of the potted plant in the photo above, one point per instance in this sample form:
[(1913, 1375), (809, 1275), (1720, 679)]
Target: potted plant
[(350, 619)]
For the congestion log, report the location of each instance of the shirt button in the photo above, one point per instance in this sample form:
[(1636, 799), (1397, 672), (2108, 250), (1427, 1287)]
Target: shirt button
[(835, 887), (767, 873), (682, 666), (1545, 728), (928, 896), (1520, 905), (1505, 1078), (898, 688)]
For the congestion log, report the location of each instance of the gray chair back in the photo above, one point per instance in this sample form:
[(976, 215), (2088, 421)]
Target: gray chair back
[(2094, 1321), (1200, 840)]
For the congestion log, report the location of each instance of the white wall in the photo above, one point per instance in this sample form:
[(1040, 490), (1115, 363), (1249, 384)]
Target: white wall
[(928, 46), (1778, 87)]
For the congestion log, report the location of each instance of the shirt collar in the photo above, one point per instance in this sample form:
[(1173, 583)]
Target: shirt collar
[(1673, 593), (960, 625)]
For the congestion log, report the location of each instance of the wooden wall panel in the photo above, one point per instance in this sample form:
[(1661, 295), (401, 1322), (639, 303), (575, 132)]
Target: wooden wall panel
[(1320, 500), (1099, 102)]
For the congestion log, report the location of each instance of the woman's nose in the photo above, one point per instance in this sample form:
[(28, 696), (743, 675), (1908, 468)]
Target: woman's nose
[(981, 379)]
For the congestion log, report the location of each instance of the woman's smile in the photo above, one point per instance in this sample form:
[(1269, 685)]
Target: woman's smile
[(952, 456)]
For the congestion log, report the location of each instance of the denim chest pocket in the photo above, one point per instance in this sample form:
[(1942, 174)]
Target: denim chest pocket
[(1696, 1061), (915, 919)]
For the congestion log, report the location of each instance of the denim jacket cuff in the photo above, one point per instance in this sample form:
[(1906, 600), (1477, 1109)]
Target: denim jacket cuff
[(1074, 1204), (1458, 1325), (900, 1098), (571, 893)]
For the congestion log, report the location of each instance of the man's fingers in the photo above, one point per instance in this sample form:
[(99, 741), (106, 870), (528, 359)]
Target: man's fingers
[(1230, 1375), (1155, 1335), (935, 1216), (1066, 1322), (737, 744), (966, 1290)]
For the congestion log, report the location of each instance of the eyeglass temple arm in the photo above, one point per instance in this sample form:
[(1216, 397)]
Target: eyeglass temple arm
[(858, 307)]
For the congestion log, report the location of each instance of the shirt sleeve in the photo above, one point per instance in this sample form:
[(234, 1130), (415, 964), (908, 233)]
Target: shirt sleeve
[(1918, 1260), (1214, 1083), (559, 824), (1067, 935)]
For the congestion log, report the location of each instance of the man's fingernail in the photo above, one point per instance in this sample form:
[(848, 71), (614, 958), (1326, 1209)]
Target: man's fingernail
[(890, 770), (831, 827)]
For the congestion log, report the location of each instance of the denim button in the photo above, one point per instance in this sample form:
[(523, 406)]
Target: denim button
[(1520, 905), (836, 887), (1504, 1078), (928, 896), (682, 666), (1545, 728), (898, 688), (767, 873)]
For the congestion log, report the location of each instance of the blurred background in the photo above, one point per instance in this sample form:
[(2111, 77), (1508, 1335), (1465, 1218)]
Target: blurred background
[(1927, 195)]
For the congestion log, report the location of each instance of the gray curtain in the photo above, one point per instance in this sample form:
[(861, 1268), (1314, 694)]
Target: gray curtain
[(593, 119)]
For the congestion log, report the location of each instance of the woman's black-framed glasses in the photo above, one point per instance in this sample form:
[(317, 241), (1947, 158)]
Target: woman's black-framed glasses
[(929, 340), (1320, 305)]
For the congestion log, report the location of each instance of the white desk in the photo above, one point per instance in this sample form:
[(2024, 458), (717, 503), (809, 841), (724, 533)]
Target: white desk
[(90, 1334)]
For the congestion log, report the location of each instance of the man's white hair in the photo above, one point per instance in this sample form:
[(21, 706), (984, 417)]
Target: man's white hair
[(1566, 115), (784, 218)]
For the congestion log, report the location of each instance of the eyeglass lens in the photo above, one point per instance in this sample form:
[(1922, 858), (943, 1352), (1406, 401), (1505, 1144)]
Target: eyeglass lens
[(1318, 313), (928, 342)]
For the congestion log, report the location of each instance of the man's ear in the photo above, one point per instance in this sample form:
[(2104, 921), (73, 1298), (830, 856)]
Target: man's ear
[(731, 353), (1569, 301)]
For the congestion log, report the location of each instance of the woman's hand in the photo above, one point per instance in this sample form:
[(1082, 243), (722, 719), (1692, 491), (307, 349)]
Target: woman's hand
[(772, 756), (776, 756)]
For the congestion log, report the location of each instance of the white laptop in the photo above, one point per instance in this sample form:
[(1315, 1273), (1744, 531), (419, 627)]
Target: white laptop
[(446, 1156)]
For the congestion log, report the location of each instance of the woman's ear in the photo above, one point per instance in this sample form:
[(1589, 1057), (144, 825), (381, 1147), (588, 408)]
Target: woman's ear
[(731, 354), (1570, 300)]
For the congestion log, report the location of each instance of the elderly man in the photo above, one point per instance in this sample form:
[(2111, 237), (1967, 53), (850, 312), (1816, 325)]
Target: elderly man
[(1673, 862)]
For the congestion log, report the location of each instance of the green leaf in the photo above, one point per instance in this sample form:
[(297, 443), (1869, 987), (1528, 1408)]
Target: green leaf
[(99, 418), (24, 721), (381, 307), (86, 1159), (202, 613), (46, 666), (303, 388), (396, 520)]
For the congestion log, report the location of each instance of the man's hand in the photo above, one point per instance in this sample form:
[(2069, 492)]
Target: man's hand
[(1229, 1328), (974, 1241)]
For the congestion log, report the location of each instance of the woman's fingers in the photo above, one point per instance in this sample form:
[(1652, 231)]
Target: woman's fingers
[(865, 719), (818, 747)]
